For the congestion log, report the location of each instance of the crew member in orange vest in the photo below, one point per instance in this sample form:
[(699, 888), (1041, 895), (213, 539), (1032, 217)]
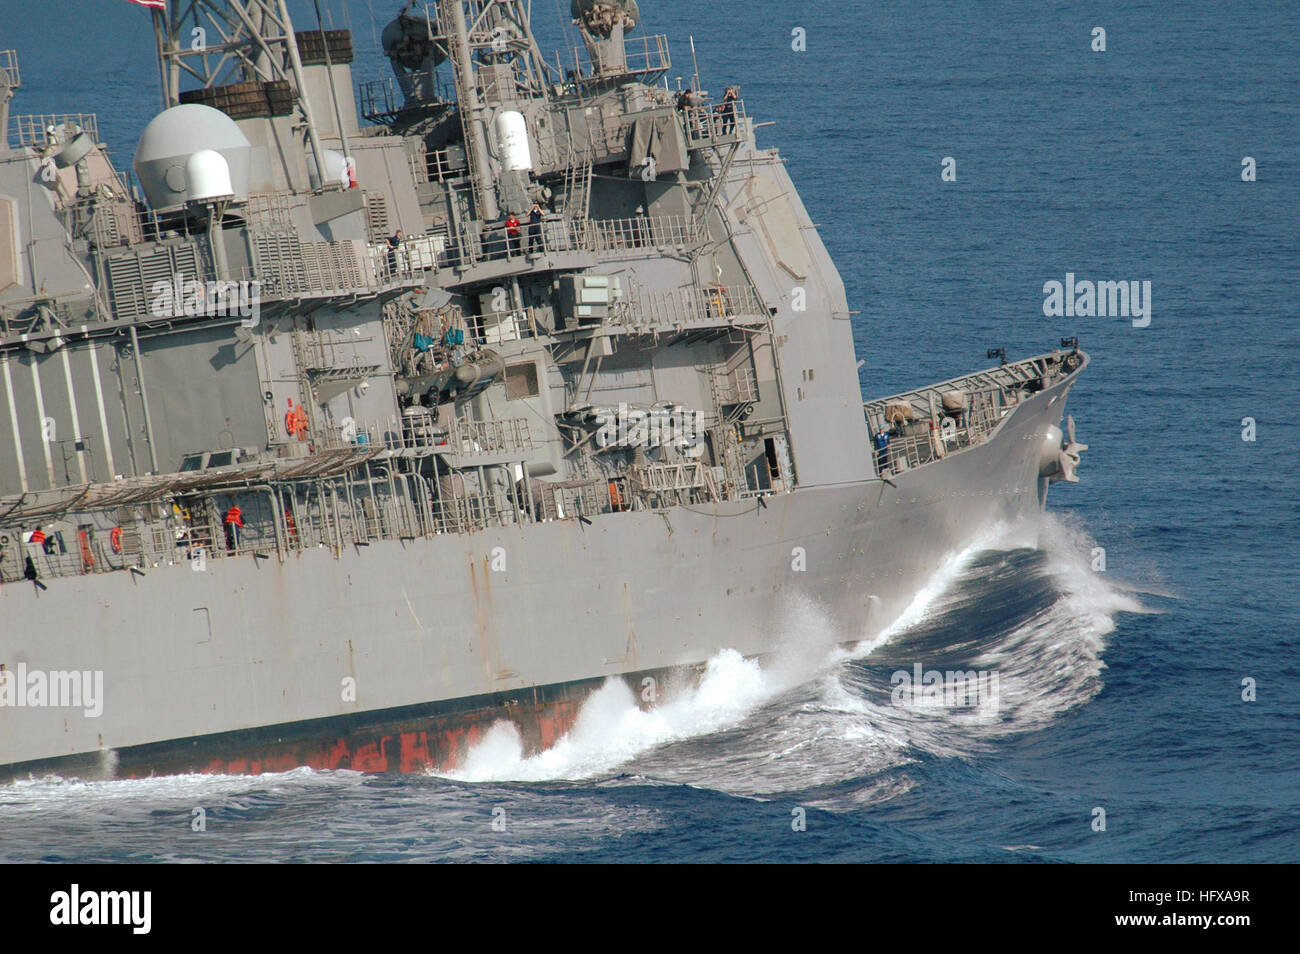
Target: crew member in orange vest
[(36, 543), (234, 523)]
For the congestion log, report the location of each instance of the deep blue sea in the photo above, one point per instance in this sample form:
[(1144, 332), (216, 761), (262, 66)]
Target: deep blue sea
[(1121, 689)]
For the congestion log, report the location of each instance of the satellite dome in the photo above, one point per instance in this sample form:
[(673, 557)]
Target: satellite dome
[(207, 176), (162, 159)]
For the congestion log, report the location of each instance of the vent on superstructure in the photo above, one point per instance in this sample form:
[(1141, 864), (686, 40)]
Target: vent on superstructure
[(521, 381), (377, 216), (116, 224), (311, 46), (132, 277), (331, 266), (245, 100), (279, 263), (289, 267), (269, 212)]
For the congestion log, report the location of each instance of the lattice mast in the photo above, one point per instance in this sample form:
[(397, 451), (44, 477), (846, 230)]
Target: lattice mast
[(223, 42)]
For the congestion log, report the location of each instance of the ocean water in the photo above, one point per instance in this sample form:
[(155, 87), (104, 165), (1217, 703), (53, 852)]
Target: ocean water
[(1119, 689)]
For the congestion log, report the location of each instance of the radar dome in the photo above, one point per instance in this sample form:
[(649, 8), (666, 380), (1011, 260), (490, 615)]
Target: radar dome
[(173, 138), (207, 176)]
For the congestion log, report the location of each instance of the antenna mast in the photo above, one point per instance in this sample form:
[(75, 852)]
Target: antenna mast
[(223, 42)]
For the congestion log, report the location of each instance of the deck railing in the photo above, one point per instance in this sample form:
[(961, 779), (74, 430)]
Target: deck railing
[(559, 235), (932, 422), (33, 130), (714, 124)]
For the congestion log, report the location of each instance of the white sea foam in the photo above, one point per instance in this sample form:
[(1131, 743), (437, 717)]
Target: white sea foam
[(52, 795), (611, 729), (800, 721), (928, 599)]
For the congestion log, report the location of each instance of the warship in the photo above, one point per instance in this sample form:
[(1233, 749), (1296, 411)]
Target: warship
[(364, 417)]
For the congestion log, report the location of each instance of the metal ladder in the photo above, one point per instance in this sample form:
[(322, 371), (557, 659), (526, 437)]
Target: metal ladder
[(577, 190)]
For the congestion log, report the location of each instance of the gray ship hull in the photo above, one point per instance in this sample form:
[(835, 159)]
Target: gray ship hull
[(400, 654)]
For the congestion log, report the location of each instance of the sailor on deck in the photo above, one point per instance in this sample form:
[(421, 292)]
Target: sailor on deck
[(36, 543), (726, 111), (512, 234), (535, 217), (234, 523), (394, 242)]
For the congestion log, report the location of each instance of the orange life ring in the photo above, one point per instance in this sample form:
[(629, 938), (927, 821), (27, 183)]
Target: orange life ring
[(115, 538)]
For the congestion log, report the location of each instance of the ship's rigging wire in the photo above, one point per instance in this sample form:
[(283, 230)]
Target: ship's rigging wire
[(374, 28)]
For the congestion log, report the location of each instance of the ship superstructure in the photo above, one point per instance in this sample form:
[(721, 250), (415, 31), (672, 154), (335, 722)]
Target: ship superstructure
[(368, 418)]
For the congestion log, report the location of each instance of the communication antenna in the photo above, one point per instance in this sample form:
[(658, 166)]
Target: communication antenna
[(496, 64)]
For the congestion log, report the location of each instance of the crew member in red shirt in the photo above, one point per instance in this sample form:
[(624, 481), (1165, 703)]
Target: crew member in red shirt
[(512, 234), (234, 523)]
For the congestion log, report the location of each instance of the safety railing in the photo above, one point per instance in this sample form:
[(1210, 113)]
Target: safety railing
[(924, 425), (589, 498), (644, 56), (376, 502), (919, 435), (714, 124), (437, 165), (290, 269), (497, 327), (558, 235), (508, 435), (9, 65), (380, 499), (421, 433), (690, 305), (33, 130), (353, 435), (610, 235), (381, 101)]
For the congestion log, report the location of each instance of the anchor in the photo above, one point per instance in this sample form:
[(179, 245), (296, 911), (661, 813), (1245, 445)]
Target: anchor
[(1071, 451)]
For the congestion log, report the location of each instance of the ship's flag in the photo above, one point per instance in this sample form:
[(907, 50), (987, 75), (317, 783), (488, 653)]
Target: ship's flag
[(155, 4)]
